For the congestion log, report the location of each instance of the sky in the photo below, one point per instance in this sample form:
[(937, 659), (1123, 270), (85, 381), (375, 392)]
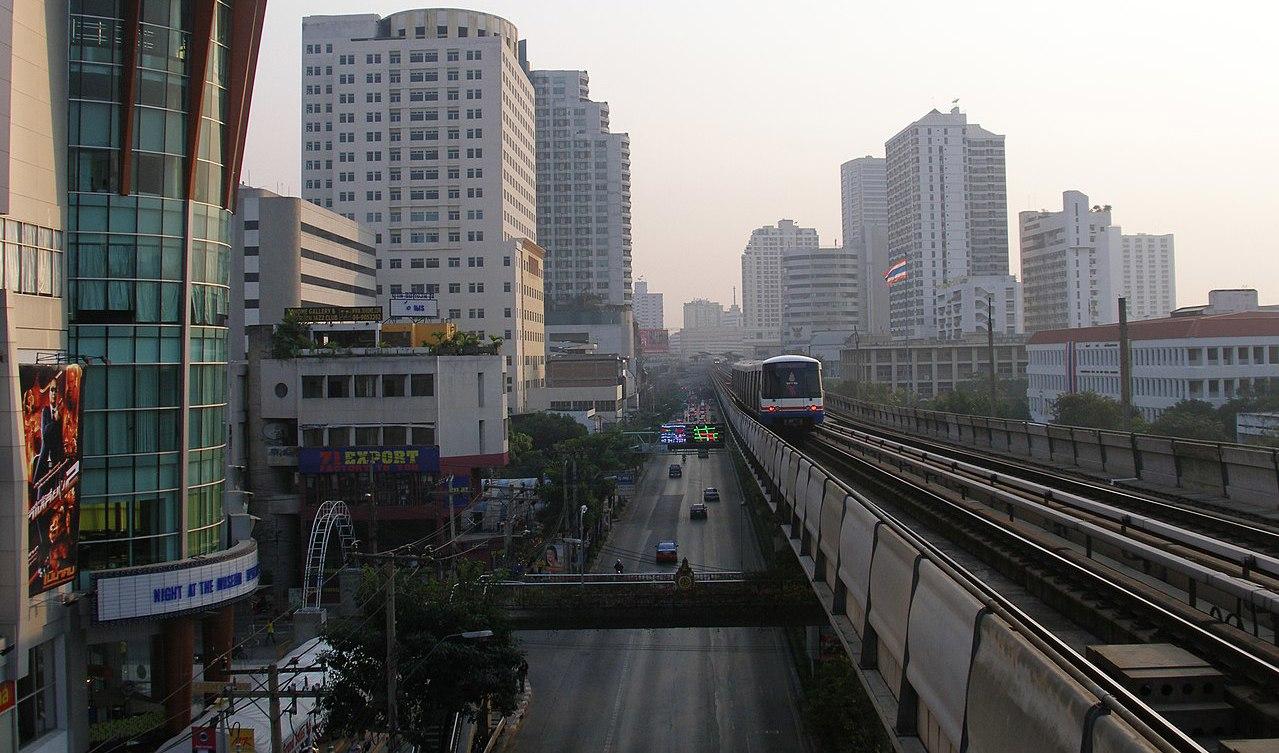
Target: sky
[(740, 114)]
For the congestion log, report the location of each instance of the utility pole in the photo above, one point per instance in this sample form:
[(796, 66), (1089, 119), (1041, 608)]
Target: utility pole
[(990, 351), (273, 687), (392, 672), (1125, 364)]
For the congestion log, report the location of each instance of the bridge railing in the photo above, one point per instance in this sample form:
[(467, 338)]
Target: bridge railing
[(1235, 471), (655, 577), (965, 667)]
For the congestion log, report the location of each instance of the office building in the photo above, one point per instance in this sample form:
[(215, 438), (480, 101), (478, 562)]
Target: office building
[(929, 368), (700, 313), (649, 307), (287, 252), (948, 223), (584, 192), (1070, 263), (819, 295), (1208, 353), (1149, 275), (864, 205), (591, 388), (421, 125), (762, 274)]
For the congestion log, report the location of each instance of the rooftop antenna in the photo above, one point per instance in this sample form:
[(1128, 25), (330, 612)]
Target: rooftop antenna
[(734, 295)]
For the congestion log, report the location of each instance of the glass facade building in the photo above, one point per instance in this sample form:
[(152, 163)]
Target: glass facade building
[(157, 97)]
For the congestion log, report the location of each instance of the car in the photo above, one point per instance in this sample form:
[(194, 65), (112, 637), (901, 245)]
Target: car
[(710, 494), (675, 471), (697, 510), (667, 551), (702, 452)]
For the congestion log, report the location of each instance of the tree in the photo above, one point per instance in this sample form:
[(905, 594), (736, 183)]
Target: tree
[(547, 429), (1192, 419), (460, 343), (1093, 411), (289, 336), (438, 675), (1250, 399), (973, 398), (871, 392)]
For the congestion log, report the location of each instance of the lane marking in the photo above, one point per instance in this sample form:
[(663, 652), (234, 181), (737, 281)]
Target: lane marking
[(617, 700)]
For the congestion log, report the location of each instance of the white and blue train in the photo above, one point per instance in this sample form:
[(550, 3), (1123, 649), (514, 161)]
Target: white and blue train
[(783, 392)]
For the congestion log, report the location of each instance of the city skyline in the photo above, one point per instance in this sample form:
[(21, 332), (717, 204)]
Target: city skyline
[(1160, 134)]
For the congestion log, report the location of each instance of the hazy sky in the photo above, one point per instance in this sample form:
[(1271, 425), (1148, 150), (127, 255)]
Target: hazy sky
[(740, 113)]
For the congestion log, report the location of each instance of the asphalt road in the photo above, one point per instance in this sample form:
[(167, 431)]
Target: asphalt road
[(685, 689)]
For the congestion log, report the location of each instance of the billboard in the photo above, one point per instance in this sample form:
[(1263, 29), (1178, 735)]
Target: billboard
[(400, 459), (428, 308), (692, 435), (335, 313), (51, 434), (655, 341)]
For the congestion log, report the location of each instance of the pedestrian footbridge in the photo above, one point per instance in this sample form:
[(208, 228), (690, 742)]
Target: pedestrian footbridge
[(683, 598)]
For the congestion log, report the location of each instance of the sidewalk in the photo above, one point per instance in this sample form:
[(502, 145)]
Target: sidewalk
[(503, 740)]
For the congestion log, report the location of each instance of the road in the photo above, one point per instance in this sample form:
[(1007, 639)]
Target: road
[(687, 689)]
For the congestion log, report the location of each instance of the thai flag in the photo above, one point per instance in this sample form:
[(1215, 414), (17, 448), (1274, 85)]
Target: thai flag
[(896, 272)]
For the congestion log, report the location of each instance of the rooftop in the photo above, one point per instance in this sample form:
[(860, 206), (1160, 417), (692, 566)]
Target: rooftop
[(1238, 324)]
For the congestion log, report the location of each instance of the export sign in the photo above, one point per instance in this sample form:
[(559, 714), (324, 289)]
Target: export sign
[(408, 459), (51, 433), (153, 591)]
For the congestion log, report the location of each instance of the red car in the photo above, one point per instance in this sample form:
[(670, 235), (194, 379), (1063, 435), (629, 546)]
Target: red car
[(667, 551)]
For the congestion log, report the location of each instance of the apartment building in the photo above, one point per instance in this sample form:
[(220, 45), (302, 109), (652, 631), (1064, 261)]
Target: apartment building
[(700, 313), (1149, 275), (1206, 353), (762, 274), (649, 307), (421, 125), (864, 210), (947, 228), (1070, 265)]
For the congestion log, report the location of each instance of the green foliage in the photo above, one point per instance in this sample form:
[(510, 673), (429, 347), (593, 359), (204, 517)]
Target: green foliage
[(461, 343), (290, 336), (545, 430), (436, 677), (1093, 411), (973, 398), (872, 392), (1193, 419), (1250, 399), (837, 710)]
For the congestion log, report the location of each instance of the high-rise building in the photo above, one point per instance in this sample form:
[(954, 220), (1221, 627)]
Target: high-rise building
[(948, 221), (1069, 265), (421, 125), (700, 313), (762, 273), (1149, 275), (649, 311), (819, 295), (864, 204), (583, 192)]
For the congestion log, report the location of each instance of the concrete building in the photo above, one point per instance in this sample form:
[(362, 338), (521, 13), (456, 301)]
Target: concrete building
[(1070, 265), (1149, 275), (1257, 428), (970, 305), (928, 368), (287, 252), (762, 274), (649, 307), (700, 313), (421, 125), (590, 388), (948, 220), (104, 156), (583, 190), (1201, 353), (864, 204), (819, 296)]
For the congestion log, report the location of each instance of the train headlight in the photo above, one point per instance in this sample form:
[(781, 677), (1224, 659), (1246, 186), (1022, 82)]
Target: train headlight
[(814, 407), (771, 408)]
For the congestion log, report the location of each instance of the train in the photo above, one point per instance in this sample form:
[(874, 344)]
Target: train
[(783, 392)]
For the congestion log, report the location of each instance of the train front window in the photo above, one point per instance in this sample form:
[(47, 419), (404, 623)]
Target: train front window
[(787, 380)]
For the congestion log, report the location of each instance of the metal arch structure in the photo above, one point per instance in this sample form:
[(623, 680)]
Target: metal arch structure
[(333, 515)]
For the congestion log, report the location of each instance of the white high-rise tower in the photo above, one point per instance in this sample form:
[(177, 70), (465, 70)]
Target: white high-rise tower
[(864, 204), (762, 274)]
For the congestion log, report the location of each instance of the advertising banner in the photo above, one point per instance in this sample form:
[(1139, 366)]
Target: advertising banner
[(400, 459), (335, 313), (655, 341), (51, 432), (415, 307)]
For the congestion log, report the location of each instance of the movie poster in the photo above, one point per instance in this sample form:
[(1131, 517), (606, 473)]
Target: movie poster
[(51, 427)]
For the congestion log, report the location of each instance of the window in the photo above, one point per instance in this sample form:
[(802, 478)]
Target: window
[(312, 386), (366, 385), (339, 386), (423, 435), (37, 697), (395, 435), (422, 385), (392, 385), (367, 435)]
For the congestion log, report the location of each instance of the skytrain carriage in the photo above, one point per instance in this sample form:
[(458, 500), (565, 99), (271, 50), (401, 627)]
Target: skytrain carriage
[(782, 392)]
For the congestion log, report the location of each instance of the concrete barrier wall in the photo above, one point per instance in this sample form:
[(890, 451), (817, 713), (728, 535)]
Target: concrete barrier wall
[(1233, 471)]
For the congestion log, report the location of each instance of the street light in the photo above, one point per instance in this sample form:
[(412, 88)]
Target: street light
[(469, 635), (581, 547)]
